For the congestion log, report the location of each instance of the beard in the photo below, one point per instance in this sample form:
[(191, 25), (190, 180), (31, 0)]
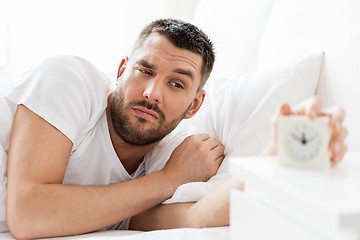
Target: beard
[(134, 133)]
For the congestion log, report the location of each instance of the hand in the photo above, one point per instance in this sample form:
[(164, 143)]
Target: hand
[(196, 159), (312, 108)]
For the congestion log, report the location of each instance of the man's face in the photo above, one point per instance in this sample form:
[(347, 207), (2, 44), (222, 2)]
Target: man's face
[(157, 88)]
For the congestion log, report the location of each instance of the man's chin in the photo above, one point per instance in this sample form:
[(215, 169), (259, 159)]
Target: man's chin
[(143, 120), (139, 139), (145, 124), (141, 134)]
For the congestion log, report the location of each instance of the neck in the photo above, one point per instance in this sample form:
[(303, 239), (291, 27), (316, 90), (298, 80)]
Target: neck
[(129, 155)]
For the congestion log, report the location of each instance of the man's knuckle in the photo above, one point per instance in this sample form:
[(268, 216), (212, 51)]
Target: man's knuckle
[(190, 138), (341, 111), (201, 148), (317, 99)]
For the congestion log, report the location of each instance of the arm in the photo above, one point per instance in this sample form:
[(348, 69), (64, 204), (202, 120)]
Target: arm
[(38, 205), (210, 211)]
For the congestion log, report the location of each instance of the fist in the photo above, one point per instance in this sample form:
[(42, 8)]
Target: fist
[(196, 159)]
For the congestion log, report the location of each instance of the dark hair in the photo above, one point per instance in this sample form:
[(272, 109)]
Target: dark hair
[(187, 36)]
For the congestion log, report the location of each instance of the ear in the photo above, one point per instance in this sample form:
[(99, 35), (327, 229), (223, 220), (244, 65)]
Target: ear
[(122, 67), (196, 104)]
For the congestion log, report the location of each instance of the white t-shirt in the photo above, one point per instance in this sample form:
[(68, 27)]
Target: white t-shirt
[(71, 94)]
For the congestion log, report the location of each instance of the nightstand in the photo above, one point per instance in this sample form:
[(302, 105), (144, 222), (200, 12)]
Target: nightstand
[(291, 203)]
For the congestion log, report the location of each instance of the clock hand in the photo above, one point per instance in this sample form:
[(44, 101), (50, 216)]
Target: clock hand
[(297, 138), (303, 138)]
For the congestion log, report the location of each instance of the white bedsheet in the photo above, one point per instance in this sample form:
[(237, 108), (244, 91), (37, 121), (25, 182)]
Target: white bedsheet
[(218, 233)]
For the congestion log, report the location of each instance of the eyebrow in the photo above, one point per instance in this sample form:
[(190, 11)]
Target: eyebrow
[(147, 64), (185, 72)]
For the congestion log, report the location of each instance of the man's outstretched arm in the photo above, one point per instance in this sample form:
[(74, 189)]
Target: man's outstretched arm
[(210, 211), (213, 210), (38, 205)]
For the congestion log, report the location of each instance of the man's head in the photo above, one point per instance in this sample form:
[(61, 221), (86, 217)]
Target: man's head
[(161, 82), (186, 36)]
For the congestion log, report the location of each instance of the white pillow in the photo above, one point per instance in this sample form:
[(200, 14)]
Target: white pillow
[(238, 112)]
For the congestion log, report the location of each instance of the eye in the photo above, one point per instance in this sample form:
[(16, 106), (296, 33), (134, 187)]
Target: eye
[(177, 85), (144, 71)]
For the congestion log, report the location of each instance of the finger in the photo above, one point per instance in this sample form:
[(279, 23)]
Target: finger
[(201, 137), (220, 159), (285, 109), (337, 116), (337, 141), (336, 112), (212, 143), (338, 157), (341, 154), (218, 152), (310, 107), (340, 137)]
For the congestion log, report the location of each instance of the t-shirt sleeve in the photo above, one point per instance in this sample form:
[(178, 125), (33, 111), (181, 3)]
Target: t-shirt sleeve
[(66, 91)]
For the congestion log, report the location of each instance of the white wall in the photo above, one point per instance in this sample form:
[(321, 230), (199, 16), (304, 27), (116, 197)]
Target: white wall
[(236, 28), (299, 27), (100, 30)]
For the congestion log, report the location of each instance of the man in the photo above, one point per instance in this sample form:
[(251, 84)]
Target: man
[(78, 147)]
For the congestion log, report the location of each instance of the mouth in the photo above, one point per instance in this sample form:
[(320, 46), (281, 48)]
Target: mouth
[(145, 113)]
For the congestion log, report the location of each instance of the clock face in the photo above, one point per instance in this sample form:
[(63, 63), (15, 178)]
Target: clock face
[(303, 142)]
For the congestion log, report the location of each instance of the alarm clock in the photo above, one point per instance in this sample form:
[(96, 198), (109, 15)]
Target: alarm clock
[(304, 142)]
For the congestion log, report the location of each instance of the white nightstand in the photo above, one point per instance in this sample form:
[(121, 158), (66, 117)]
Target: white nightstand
[(289, 203)]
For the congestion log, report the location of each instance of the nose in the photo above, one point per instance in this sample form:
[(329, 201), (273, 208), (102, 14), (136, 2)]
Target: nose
[(153, 91)]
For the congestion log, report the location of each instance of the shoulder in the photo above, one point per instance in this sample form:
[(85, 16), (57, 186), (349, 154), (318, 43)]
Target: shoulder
[(66, 65), (67, 91), (60, 64), (67, 73)]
